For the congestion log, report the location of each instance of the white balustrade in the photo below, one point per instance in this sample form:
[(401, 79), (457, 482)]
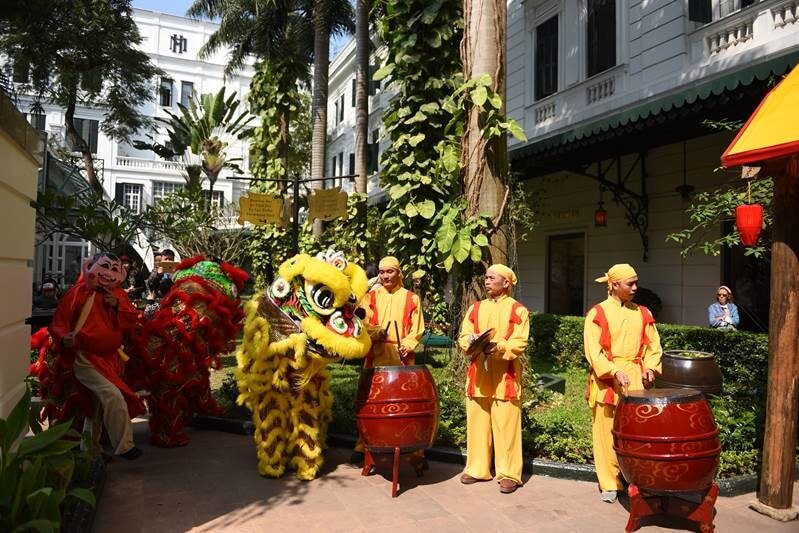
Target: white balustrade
[(149, 164), (601, 90), (733, 34), (785, 14), (544, 113)]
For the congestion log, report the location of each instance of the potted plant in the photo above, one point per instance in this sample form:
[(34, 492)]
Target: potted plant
[(690, 369)]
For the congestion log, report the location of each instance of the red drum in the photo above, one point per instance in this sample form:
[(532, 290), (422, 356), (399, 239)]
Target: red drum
[(397, 407), (666, 440)]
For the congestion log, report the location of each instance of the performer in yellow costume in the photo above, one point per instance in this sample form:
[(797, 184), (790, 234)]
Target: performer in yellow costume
[(623, 348), (394, 318), (395, 324), (493, 386)]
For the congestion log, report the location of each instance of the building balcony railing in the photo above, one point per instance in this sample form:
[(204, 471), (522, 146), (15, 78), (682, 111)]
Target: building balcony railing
[(749, 27), (140, 163)]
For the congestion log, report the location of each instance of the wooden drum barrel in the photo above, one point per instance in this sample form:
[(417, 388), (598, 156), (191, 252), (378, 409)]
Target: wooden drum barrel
[(397, 407), (666, 440)]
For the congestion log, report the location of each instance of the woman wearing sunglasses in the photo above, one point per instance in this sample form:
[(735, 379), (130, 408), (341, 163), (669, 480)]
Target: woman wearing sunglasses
[(723, 314)]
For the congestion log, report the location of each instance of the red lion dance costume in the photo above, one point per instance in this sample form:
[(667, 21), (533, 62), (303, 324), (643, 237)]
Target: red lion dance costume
[(170, 356)]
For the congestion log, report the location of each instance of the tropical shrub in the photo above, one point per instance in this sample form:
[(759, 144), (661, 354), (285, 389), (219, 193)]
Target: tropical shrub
[(35, 476)]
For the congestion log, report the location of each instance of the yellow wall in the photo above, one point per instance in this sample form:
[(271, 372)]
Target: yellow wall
[(18, 179)]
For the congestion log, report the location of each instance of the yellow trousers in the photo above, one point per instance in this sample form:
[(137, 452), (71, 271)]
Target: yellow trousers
[(115, 410), (494, 425), (607, 465)]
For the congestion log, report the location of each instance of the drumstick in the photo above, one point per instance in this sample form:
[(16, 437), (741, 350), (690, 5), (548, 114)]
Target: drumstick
[(396, 332)]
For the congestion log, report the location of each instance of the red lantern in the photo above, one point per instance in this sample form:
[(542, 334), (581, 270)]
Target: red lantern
[(749, 221), (600, 216)]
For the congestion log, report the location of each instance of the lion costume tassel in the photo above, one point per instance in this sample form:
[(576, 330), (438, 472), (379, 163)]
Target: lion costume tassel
[(304, 321)]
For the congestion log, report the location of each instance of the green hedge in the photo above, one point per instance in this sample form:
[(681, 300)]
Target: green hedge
[(742, 355)]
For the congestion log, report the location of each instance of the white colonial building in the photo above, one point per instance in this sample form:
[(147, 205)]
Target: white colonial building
[(341, 120), (140, 178), (613, 95)]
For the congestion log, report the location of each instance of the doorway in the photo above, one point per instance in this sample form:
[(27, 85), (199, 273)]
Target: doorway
[(566, 274)]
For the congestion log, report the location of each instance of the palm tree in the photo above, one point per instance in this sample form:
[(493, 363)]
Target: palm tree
[(329, 17), (203, 130), (362, 46), (277, 33)]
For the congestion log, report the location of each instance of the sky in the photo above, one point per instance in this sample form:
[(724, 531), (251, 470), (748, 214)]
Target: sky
[(179, 7)]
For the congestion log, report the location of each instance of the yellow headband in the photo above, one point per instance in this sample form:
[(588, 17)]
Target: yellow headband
[(390, 262), (505, 272), (617, 273)]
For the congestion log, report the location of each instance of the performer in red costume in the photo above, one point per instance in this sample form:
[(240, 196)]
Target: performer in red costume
[(88, 329)]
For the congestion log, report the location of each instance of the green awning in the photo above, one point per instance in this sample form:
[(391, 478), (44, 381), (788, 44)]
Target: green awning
[(703, 90)]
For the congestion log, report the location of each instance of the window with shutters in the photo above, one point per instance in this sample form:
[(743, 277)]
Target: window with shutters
[(130, 195), (341, 108), (20, 72), (186, 92), (165, 92), (705, 11), (217, 198), (38, 121), (373, 153), (88, 129), (352, 164), (353, 92), (546, 58), (374, 86), (601, 36), (162, 189)]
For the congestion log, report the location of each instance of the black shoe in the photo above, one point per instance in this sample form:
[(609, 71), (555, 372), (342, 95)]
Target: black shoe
[(132, 454)]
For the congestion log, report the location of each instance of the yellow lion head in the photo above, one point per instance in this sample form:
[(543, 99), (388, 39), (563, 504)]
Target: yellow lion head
[(320, 294)]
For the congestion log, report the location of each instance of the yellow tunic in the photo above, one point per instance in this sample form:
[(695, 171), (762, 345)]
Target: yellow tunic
[(493, 412), (625, 324), (391, 309), (492, 383)]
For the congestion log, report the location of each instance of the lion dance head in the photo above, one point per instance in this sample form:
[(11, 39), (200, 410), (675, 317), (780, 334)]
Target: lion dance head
[(305, 320)]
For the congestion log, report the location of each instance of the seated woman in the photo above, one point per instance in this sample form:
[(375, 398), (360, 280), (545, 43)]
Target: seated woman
[(723, 314)]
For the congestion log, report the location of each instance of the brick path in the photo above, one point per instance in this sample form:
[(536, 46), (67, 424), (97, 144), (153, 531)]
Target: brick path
[(212, 485)]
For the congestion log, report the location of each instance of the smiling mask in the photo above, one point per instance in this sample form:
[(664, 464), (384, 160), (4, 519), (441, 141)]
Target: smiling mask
[(104, 272)]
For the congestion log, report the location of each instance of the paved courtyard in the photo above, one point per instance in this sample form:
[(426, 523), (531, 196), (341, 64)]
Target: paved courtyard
[(212, 485)]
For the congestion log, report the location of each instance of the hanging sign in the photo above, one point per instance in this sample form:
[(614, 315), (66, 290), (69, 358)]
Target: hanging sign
[(327, 204), (261, 209)]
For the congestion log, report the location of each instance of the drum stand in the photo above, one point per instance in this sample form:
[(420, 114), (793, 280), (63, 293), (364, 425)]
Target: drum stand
[(416, 461), (643, 504)]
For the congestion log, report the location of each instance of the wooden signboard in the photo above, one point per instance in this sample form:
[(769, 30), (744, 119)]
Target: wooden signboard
[(327, 204), (261, 209)]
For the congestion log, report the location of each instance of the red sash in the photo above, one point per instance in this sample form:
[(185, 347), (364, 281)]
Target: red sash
[(604, 341)]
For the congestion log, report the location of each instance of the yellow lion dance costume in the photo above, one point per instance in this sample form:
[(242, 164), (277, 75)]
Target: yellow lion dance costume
[(301, 323)]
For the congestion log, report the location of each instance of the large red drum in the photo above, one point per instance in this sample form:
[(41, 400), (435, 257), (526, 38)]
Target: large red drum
[(397, 407), (666, 440)]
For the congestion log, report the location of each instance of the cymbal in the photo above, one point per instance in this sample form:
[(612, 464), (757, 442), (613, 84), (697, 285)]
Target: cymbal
[(479, 344)]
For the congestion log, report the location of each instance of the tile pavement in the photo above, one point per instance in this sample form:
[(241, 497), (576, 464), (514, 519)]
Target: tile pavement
[(212, 486)]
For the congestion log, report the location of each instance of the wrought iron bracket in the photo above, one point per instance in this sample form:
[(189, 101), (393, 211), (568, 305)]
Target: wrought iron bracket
[(635, 204)]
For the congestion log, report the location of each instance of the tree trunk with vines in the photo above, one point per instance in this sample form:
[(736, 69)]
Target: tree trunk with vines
[(485, 163)]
